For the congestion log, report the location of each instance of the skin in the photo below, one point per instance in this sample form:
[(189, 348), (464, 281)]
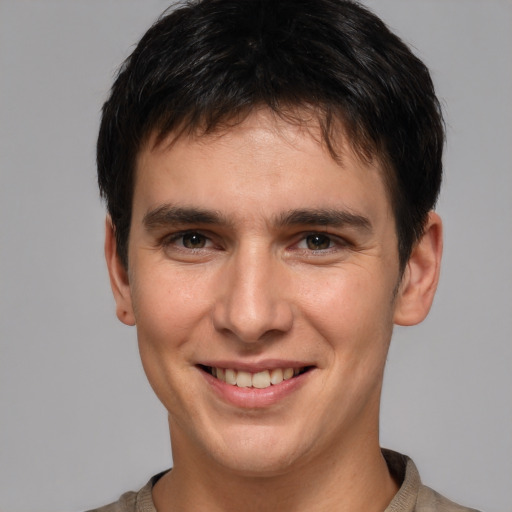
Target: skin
[(257, 286)]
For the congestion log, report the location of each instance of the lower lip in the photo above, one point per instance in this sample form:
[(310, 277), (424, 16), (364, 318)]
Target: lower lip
[(254, 398)]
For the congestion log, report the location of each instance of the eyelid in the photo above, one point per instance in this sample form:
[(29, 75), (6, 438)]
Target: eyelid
[(170, 239), (336, 240)]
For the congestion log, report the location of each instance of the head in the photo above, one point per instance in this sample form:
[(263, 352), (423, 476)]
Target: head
[(206, 66), (269, 168)]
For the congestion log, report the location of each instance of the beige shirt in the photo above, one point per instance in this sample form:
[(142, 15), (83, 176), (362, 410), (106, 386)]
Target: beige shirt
[(412, 496)]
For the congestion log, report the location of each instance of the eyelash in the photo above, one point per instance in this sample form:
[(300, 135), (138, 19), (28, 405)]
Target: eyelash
[(171, 239), (335, 242)]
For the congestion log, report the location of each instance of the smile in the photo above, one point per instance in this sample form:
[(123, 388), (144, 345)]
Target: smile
[(259, 380)]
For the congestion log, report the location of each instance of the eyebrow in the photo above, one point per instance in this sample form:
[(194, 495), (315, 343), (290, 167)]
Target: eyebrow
[(324, 217), (167, 214)]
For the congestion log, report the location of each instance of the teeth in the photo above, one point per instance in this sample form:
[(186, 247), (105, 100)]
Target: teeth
[(287, 373), (243, 380), (259, 380), (276, 376), (230, 377)]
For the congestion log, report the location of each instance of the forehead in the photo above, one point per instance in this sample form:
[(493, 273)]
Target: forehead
[(261, 164)]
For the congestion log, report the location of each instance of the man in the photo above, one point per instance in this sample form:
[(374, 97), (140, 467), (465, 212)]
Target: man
[(270, 170)]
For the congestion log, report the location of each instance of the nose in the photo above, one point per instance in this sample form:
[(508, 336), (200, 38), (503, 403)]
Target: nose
[(252, 304)]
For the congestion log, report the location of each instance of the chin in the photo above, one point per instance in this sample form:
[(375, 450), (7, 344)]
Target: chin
[(258, 452), (255, 464)]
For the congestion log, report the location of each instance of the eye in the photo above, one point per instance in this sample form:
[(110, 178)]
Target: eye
[(317, 242), (188, 240), (194, 240)]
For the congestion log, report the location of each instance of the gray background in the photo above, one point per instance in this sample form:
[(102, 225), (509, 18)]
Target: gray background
[(78, 422)]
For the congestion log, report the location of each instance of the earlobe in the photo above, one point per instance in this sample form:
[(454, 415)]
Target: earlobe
[(421, 275), (118, 274)]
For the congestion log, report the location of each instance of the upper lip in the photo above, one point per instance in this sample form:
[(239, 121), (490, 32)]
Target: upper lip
[(255, 366)]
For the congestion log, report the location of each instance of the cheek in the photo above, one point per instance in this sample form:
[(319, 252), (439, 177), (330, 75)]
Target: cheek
[(170, 326), (352, 307), (168, 305)]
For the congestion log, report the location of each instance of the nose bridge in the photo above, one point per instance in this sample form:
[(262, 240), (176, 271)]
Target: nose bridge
[(252, 302)]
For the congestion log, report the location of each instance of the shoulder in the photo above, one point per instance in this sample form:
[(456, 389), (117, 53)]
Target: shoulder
[(413, 496), (126, 503), (431, 501), (141, 501)]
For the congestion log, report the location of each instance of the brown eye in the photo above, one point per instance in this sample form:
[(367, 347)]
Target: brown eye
[(318, 242), (194, 241)]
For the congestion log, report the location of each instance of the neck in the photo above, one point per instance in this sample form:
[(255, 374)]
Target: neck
[(354, 478)]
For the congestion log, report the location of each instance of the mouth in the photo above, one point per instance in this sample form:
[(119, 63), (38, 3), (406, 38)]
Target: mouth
[(258, 380)]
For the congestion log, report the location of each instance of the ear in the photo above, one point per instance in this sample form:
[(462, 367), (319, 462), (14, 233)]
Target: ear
[(119, 280), (421, 275)]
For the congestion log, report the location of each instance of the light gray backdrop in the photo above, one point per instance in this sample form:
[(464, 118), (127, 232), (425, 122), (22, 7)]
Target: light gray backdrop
[(79, 424)]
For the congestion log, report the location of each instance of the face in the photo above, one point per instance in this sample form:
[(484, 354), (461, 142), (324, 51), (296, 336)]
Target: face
[(262, 279)]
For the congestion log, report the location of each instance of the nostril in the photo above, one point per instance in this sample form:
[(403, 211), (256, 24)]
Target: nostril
[(252, 324)]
